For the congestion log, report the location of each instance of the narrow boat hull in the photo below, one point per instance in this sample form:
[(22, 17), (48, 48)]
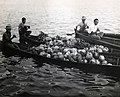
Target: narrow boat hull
[(105, 42), (113, 70)]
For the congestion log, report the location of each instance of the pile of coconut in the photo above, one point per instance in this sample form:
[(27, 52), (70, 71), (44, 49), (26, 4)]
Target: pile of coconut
[(75, 50)]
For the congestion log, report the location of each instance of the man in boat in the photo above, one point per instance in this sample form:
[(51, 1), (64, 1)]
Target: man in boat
[(7, 39), (94, 31), (23, 28), (82, 27)]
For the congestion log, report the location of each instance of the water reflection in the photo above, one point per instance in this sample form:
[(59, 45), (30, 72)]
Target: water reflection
[(22, 77)]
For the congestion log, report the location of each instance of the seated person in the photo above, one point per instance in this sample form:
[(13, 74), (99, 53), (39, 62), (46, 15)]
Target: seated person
[(22, 28), (82, 27), (94, 31), (7, 39)]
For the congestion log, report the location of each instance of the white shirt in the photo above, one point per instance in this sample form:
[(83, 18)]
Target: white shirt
[(93, 28)]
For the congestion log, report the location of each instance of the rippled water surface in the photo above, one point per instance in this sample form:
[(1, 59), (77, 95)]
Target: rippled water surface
[(24, 77), (21, 77), (60, 16)]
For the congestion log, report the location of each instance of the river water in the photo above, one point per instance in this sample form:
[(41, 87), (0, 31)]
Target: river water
[(21, 77)]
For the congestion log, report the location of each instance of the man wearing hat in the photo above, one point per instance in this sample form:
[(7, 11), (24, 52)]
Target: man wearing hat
[(7, 39), (82, 26)]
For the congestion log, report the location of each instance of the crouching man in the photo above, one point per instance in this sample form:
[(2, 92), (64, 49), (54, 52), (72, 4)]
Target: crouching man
[(94, 31), (7, 39)]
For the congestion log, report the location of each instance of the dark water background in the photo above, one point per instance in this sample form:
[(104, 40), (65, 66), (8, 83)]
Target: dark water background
[(21, 77)]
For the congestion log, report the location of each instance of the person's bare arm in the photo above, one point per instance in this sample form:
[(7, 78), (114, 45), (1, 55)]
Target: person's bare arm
[(14, 36)]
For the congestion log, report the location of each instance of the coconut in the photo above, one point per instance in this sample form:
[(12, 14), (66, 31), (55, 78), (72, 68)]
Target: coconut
[(91, 49), (97, 61), (96, 55), (41, 48), (95, 48), (104, 62), (59, 53), (99, 50), (68, 52), (74, 51), (101, 58), (89, 56), (48, 55), (49, 50), (66, 59), (61, 57), (86, 49), (93, 61), (42, 53), (85, 61), (65, 50), (83, 52), (79, 50), (101, 46), (55, 57), (56, 47), (41, 45)]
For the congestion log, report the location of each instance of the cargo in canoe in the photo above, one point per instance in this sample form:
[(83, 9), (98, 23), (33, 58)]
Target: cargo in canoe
[(111, 70), (35, 40), (111, 42)]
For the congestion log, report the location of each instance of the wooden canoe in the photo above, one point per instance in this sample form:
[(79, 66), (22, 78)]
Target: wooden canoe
[(106, 41), (113, 70), (111, 41), (33, 41)]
